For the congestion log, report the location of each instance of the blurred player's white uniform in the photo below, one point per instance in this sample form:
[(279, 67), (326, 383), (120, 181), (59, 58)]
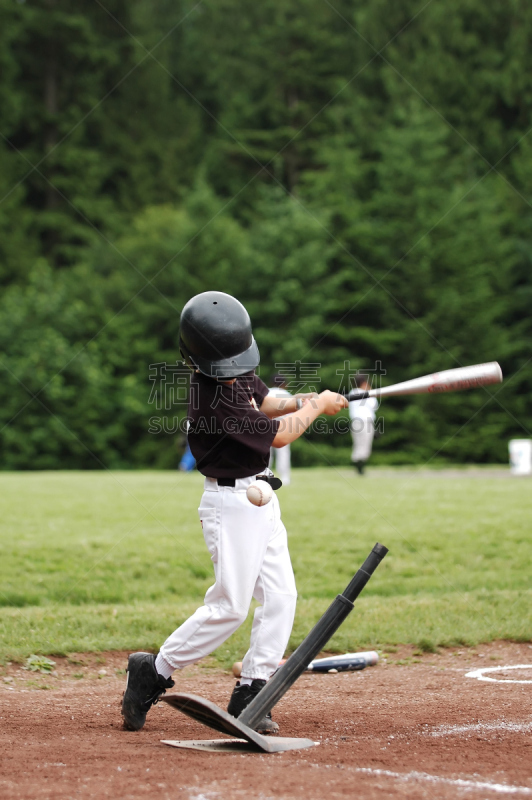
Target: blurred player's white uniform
[(280, 456), (362, 415)]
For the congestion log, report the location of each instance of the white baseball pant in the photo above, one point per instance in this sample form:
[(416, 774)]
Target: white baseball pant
[(363, 431), (249, 550)]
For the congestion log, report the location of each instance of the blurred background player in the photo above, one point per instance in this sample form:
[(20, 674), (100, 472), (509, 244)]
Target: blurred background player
[(280, 456), (362, 416)]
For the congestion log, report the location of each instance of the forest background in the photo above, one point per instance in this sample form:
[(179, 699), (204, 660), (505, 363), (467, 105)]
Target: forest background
[(357, 173)]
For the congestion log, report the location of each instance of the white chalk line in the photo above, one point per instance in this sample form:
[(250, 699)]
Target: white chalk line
[(502, 788), (482, 727), (479, 674)]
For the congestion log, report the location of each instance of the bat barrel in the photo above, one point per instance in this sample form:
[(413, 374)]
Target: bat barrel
[(338, 666), (344, 662), (450, 380)]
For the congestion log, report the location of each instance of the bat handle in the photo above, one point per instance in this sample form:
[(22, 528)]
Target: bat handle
[(356, 395)]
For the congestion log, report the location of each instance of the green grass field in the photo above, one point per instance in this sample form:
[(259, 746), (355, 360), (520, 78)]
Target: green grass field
[(115, 560)]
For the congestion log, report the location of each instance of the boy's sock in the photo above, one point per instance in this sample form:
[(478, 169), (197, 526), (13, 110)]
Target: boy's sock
[(163, 667)]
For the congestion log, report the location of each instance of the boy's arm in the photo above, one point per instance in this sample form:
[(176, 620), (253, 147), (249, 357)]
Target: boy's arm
[(292, 427), (278, 406)]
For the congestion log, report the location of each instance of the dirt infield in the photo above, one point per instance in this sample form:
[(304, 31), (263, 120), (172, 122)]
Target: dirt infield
[(414, 726)]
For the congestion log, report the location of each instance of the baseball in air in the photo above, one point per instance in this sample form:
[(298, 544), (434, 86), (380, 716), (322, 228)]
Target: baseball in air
[(259, 493)]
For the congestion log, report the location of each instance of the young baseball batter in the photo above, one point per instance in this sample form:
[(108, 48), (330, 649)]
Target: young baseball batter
[(232, 428)]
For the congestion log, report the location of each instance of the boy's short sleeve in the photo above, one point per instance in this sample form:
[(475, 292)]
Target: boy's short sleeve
[(260, 390)]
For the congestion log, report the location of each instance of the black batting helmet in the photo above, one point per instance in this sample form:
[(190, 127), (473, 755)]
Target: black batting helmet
[(215, 336)]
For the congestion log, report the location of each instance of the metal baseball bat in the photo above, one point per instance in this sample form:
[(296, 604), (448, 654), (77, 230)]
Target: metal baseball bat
[(450, 380), (313, 643), (345, 662), (348, 662)]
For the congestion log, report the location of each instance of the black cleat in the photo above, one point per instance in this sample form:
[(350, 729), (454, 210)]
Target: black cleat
[(143, 689), (242, 697)]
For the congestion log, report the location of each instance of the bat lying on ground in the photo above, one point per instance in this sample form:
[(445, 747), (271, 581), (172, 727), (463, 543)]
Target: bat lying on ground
[(450, 380), (347, 662)]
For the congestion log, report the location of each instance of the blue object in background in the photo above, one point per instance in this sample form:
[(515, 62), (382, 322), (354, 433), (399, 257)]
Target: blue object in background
[(188, 462)]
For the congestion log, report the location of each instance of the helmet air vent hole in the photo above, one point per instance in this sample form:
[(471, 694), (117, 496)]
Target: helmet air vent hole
[(215, 302)]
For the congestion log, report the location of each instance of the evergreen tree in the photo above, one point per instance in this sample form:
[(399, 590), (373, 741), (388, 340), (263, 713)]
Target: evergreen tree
[(357, 174)]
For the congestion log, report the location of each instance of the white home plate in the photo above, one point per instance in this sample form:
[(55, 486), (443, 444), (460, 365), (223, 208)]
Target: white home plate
[(214, 745), (233, 745)]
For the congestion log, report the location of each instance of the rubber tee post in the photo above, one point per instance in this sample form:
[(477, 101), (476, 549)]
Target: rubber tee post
[(316, 640)]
